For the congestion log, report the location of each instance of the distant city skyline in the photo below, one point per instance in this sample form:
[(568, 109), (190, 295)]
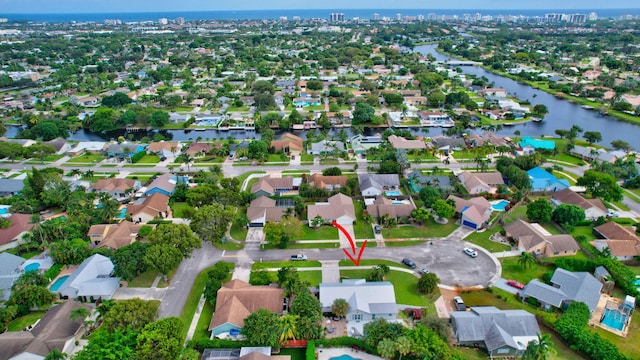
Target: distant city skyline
[(113, 6)]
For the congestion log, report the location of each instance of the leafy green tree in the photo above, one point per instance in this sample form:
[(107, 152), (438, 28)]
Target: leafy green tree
[(129, 315), (526, 260), (118, 99), (287, 328), (540, 211), (340, 307), (426, 344), (568, 214), (261, 329), (592, 136), (386, 348), (429, 194), (129, 261), (55, 354), (442, 209), (178, 236), (309, 311), (160, 339), (428, 283), (159, 118), (378, 329), (103, 120), (69, 252), (363, 113), (7, 314), (621, 145), (539, 349), (601, 185), (163, 258), (258, 149), (541, 110), (113, 345), (403, 346)]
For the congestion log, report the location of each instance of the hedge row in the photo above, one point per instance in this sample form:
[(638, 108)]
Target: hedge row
[(346, 341)]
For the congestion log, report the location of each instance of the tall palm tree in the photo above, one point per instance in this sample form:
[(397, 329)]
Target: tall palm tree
[(74, 173), (187, 158), (526, 260), (287, 328), (79, 313), (539, 349), (56, 354)]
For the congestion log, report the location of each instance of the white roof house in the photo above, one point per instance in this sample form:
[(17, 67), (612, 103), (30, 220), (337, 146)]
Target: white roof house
[(91, 280)]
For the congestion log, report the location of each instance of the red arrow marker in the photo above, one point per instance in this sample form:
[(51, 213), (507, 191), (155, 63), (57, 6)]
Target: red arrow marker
[(356, 261)]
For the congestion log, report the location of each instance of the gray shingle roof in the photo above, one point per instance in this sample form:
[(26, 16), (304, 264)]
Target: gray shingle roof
[(568, 286)]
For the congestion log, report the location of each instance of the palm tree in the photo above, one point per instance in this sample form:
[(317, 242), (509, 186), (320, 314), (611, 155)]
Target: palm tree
[(539, 349), (56, 354), (187, 159), (79, 313), (387, 348), (88, 174), (526, 260), (403, 346), (74, 173), (287, 328)]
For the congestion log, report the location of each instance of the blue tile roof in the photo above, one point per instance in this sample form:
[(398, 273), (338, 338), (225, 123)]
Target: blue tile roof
[(542, 180)]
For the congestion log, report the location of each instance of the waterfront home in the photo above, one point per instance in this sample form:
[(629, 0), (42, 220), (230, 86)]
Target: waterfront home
[(288, 143), (326, 147), (113, 236), (398, 142)]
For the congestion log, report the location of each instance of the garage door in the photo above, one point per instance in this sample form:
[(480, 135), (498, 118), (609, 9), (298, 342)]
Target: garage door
[(256, 225), (469, 224)]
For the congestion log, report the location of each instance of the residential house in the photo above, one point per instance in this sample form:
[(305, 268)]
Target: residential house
[(338, 208), (198, 149), (272, 186), (54, 331), (329, 183), (499, 92), (435, 119), (383, 206), (59, 144), (12, 236), (91, 281), (542, 180), (372, 185), (622, 241), (146, 209), (123, 150), (481, 182), (236, 300), (535, 239), (243, 353), (368, 301), (165, 184), (118, 189), (446, 144), (591, 154), (289, 143), (326, 147), (504, 333), (9, 271), (361, 144), (398, 142), (419, 180), (92, 147), (10, 187), (167, 149), (593, 208), (113, 236), (566, 287), (263, 210), (474, 212)]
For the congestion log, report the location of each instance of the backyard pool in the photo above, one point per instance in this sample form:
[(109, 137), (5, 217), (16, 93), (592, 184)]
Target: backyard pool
[(56, 285), (614, 319), (122, 214), (343, 357), (637, 282), (32, 267), (392, 193), (499, 205), (4, 209)]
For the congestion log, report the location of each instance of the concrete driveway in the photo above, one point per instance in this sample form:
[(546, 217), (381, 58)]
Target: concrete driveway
[(255, 235), (344, 242), (502, 284)]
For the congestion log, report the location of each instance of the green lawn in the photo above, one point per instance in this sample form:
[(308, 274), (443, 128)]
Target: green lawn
[(294, 353), (482, 239), (405, 285), (202, 329), (306, 157), (87, 158), (404, 243), (23, 321), (374, 262), (278, 158), (144, 280), (430, 229), (52, 158), (281, 264), (512, 270), (313, 277), (245, 175), (323, 233), (149, 159), (178, 209), (362, 230), (519, 212), (238, 232)]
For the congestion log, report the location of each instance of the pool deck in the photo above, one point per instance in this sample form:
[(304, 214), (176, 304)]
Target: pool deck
[(328, 353), (599, 312)]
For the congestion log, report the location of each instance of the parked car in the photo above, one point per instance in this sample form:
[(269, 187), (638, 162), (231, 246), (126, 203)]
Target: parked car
[(409, 263), (423, 271), (612, 214), (377, 229), (515, 284), (459, 303), (470, 252), (163, 158)]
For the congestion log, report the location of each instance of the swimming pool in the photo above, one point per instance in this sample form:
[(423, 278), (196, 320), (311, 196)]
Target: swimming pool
[(4, 210), (32, 267), (392, 193), (499, 205), (614, 319), (343, 357), (122, 214), (58, 283)]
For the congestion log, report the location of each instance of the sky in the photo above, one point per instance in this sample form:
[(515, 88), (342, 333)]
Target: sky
[(101, 6)]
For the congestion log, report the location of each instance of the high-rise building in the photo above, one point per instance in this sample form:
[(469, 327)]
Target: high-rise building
[(420, 17), (180, 20), (376, 16), (336, 17), (398, 16), (592, 16), (163, 21)]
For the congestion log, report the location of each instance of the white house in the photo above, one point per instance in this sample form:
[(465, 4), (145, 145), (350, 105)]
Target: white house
[(91, 280)]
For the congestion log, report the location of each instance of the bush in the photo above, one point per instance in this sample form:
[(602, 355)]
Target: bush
[(260, 277), (584, 223), (53, 271), (622, 275), (138, 156), (346, 341), (572, 264), (203, 344), (311, 350)]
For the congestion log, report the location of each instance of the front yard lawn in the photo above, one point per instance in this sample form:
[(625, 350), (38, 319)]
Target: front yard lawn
[(144, 280), (511, 270), (87, 158), (238, 231), (405, 285), (322, 233), (149, 159), (278, 158), (363, 230), (430, 229), (178, 209), (482, 239), (313, 277), (281, 264)]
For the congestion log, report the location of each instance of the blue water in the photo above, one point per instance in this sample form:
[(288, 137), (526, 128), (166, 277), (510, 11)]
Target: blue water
[(122, 214), (3, 211), (500, 205), (56, 285), (302, 13), (343, 357), (614, 319), (32, 267), (393, 193)]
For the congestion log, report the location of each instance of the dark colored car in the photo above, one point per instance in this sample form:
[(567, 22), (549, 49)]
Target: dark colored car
[(377, 229), (409, 263)]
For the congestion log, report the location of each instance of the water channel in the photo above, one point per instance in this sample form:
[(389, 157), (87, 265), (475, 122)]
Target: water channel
[(562, 115)]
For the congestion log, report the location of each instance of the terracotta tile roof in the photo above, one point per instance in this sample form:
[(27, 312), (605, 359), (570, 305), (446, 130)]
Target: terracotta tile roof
[(236, 300), (321, 181), (568, 196), (338, 205), (614, 231), (382, 206), (116, 235), (19, 224), (163, 145), (398, 142), (114, 184), (152, 205), (197, 148), (530, 236), (270, 184)]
